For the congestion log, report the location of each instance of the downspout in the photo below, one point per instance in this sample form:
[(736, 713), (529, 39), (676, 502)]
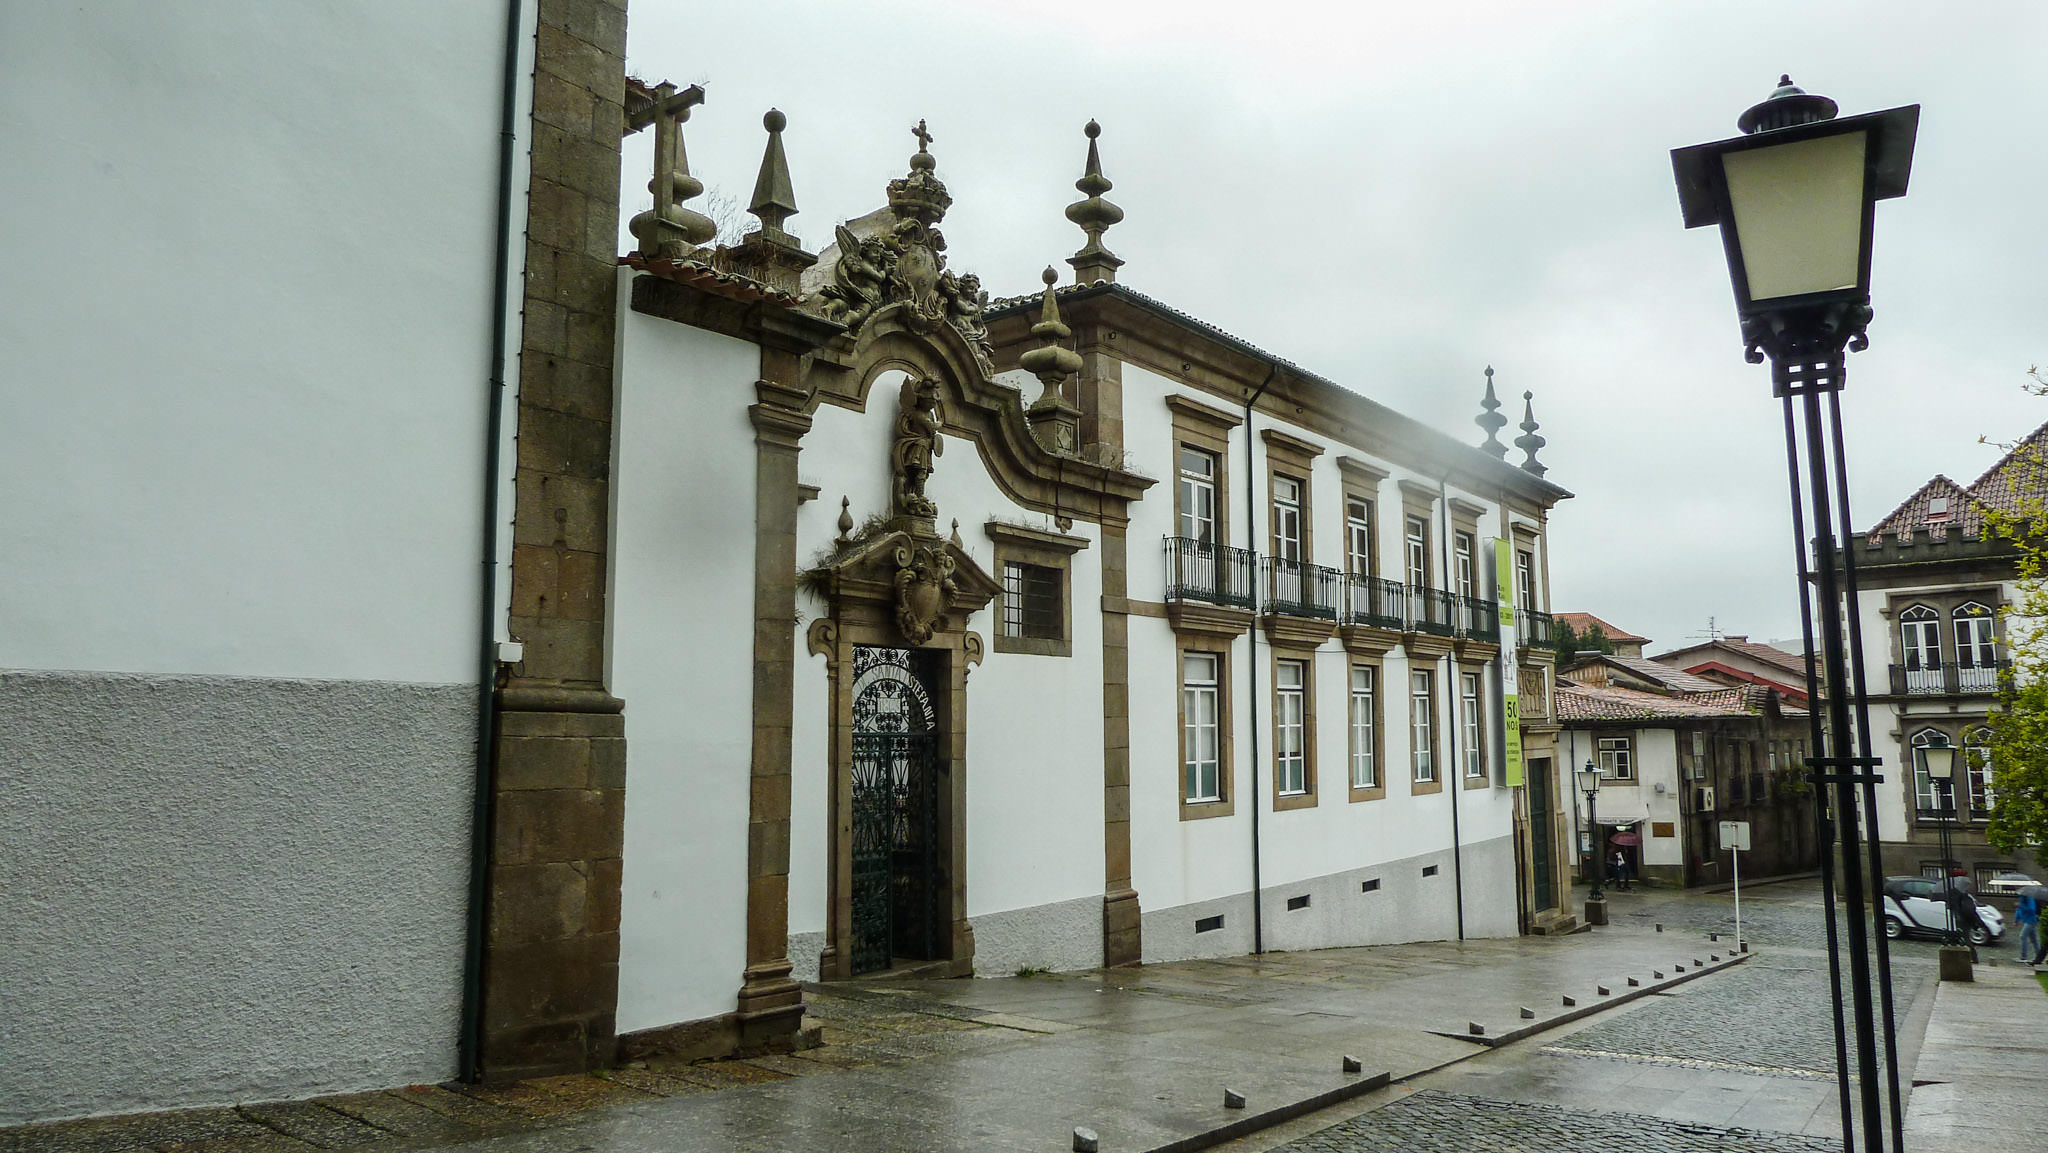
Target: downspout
[(1452, 690), (1251, 509), (469, 1041)]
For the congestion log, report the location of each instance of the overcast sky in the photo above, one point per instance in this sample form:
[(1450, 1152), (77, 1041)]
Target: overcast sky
[(1397, 195)]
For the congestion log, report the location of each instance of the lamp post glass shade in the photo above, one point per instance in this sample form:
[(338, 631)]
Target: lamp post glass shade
[(1589, 778), (1794, 197), (1941, 762), (1798, 211)]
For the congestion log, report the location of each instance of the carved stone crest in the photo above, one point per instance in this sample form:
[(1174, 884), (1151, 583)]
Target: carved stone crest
[(902, 259), (924, 586)]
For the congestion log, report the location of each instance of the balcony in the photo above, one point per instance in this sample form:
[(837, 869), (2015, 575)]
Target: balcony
[(1478, 619), (1947, 680), (1199, 570), (1375, 602), (1430, 611), (1536, 629), (1299, 589)]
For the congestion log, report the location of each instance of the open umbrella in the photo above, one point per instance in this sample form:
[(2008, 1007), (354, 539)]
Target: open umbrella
[(2038, 892), (1630, 840)]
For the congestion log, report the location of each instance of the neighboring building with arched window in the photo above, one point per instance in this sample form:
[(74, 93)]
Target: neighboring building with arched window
[(1933, 584)]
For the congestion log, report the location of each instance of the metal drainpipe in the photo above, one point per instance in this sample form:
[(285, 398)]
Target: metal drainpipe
[(469, 1040), (1455, 771), (1252, 661)]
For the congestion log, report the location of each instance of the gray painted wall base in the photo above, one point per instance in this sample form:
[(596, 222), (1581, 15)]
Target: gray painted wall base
[(1405, 905), (1057, 938), (222, 889)]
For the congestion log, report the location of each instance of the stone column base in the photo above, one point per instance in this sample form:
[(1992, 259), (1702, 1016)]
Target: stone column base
[(1596, 912), (1122, 933), (1956, 962), (771, 1007)]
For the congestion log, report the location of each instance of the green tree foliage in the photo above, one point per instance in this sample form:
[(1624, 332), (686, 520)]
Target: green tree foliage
[(1568, 644), (2019, 721)]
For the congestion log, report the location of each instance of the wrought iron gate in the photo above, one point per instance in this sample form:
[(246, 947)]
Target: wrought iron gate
[(1540, 830), (895, 809)]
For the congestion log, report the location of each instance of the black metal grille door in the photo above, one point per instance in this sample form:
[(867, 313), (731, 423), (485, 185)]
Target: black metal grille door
[(895, 809), (1539, 831)]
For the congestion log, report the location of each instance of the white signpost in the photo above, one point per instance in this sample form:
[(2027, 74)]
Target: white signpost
[(1735, 838)]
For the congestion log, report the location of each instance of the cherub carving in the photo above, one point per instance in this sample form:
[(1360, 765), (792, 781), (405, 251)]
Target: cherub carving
[(919, 421), (860, 277), (965, 301)]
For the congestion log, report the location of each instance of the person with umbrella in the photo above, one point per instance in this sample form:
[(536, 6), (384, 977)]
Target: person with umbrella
[(2028, 914)]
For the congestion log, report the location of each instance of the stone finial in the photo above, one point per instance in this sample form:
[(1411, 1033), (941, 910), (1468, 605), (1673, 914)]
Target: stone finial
[(1094, 215), (1490, 420), (1530, 441), (774, 200), (845, 518), (670, 231), (921, 195), (1049, 362), (1057, 421)]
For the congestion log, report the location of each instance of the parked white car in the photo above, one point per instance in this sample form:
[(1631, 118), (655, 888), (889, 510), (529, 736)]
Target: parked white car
[(2009, 884), (1913, 907)]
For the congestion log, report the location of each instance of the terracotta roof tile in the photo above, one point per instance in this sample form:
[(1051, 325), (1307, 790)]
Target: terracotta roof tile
[(1580, 703), (728, 284), (1580, 622), (2017, 478)]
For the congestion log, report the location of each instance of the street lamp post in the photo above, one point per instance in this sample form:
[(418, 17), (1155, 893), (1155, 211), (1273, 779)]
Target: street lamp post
[(1956, 959), (1795, 198), (1596, 900)]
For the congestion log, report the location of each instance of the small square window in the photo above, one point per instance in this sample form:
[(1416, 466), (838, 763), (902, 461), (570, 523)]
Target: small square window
[(1031, 601)]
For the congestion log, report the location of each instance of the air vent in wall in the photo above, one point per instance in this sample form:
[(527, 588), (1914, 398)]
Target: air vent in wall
[(1371, 886), (1209, 924), (1429, 870), (1300, 902)]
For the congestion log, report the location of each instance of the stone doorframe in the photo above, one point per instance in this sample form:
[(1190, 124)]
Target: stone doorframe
[(864, 610)]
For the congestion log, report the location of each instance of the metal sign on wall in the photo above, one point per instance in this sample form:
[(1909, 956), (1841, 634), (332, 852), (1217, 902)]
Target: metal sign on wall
[(1511, 707)]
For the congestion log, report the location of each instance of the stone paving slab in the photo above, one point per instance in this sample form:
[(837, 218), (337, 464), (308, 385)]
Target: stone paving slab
[(1982, 1076), (1434, 1122)]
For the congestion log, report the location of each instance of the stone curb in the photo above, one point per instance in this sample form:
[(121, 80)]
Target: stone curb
[(1587, 1010), (1277, 1116)]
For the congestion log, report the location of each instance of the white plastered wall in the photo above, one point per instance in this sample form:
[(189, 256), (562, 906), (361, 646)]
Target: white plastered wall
[(682, 621), (247, 337), (246, 341), (1191, 862)]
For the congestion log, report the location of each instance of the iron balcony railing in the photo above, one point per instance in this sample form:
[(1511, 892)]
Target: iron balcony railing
[(1429, 611), (1199, 570), (1376, 602), (1536, 628), (1299, 589), (1478, 618), (1947, 680)]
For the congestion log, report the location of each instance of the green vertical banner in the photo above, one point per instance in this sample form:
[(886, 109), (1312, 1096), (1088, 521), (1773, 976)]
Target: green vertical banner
[(1511, 707)]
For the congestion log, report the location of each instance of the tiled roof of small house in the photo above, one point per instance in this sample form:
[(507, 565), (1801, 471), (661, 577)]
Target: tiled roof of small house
[(2019, 476), (1665, 675), (1767, 654), (1581, 703), (1581, 622)]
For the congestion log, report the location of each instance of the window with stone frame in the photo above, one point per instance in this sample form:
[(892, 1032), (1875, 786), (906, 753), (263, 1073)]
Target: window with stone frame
[(1290, 727), (1034, 614), (1525, 579), (1358, 542), (1365, 772), (1031, 601), (1202, 732), (1616, 758), (1974, 763), (1422, 725), (1927, 796), (1463, 547), (1416, 540), (1289, 508), (1199, 470), (1472, 705)]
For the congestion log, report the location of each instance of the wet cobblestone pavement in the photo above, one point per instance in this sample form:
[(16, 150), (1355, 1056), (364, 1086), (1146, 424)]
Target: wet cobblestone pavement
[(1435, 1122), (1760, 1017)]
